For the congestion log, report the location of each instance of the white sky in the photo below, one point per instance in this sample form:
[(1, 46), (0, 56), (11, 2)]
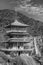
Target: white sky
[(35, 11), (4, 4)]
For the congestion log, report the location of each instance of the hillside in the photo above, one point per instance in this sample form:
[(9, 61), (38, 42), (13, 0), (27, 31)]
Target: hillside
[(8, 16)]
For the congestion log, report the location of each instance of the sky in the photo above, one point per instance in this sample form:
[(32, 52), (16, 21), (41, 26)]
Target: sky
[(10, 3), (34, 8), (4, 4)]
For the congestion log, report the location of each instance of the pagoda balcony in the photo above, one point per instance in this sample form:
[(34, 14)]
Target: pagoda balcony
[(9, 31), (20, 39), (18, 34)]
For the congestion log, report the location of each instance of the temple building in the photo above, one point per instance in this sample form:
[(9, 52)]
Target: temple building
[(18, 37)]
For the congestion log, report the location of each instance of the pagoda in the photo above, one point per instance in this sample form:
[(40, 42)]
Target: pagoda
[(17, 37)]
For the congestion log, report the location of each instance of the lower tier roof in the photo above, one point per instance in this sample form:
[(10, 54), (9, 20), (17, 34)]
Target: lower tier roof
[(17, 50), (19, 40)]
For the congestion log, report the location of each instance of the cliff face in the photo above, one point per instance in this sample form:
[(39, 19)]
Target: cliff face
[(8, 16)]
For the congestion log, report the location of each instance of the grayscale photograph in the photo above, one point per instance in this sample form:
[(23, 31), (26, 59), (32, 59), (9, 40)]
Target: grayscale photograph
[(21, 32)]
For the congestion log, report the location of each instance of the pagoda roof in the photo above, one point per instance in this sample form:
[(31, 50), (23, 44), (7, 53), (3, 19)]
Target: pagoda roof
[(17, 23), (17, 50)]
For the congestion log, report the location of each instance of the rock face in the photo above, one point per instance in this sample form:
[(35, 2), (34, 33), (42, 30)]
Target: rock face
[(24, 60), (28, 60)]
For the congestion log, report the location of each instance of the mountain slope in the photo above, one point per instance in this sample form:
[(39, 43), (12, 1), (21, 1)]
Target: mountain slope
[(7, 16)]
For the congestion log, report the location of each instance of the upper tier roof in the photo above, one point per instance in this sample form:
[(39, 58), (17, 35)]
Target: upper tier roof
[(16, 23)]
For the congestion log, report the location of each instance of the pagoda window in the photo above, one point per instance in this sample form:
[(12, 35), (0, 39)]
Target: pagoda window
[(26, 47), (10, 46), (19, 29), (17, 36), (20, 44), (15, 44)]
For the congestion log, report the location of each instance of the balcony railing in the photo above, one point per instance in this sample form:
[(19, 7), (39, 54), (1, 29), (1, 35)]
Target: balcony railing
[(15, 31), (24, 39)]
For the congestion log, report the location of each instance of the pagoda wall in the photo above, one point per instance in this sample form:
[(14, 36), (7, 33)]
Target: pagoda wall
[(17, 29)]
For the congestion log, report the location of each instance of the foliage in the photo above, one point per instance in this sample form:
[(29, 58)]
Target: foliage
[(8, 16)]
